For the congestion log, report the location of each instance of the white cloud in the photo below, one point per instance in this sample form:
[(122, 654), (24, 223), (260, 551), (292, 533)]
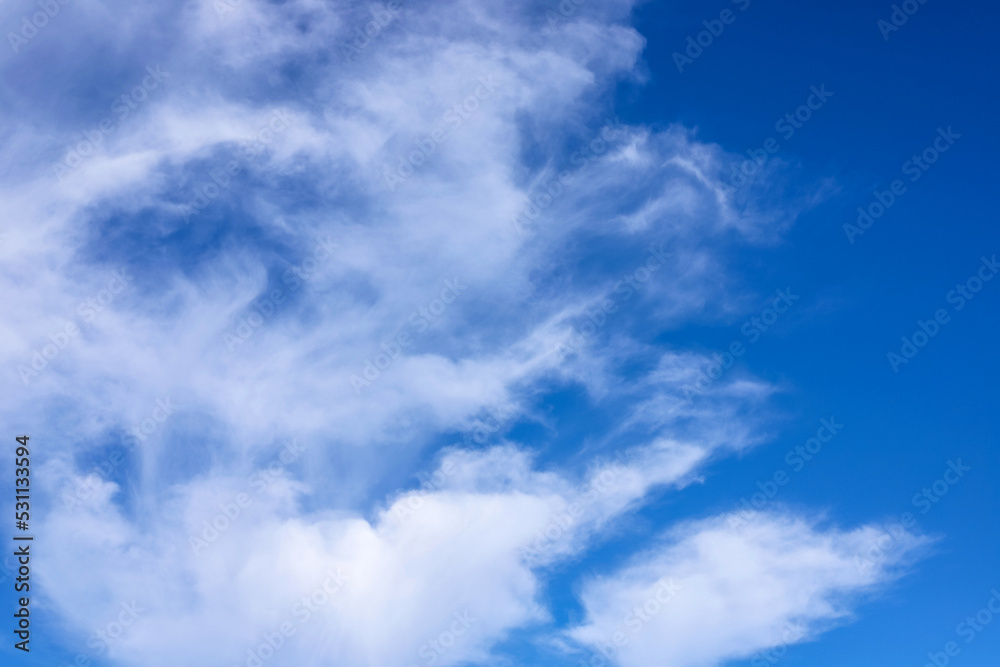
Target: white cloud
[(776, 581), (224, 570), (478, 541)]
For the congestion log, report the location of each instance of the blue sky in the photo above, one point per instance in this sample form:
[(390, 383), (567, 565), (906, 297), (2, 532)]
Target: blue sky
[(407, 350)]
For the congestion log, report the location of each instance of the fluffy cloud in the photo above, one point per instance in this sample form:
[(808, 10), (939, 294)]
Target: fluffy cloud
[(370, 253), (713, 593), (231, 559)]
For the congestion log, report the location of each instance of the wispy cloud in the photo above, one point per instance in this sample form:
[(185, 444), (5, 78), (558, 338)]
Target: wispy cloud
[(276, 255)]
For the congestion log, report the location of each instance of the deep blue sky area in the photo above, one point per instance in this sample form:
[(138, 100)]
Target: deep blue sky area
[(901, 429), (857, 268)]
